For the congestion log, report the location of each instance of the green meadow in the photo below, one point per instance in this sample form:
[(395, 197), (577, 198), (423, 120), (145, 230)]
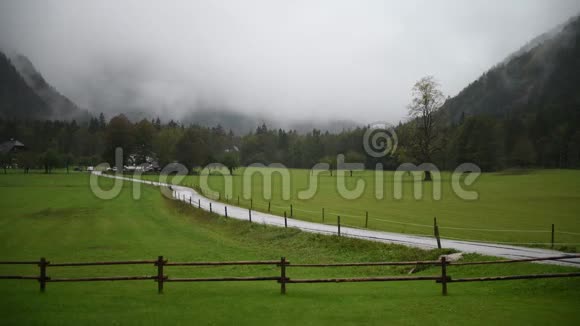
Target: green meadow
[(516, 207), (57, 216)]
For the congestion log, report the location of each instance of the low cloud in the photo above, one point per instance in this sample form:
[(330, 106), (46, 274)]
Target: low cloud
[(293, 60)]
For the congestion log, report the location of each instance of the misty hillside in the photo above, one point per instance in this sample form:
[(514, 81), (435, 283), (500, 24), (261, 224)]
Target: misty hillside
[(17, 99), (543, 75), (239, 123), (25, 94), (524, 111), (242, 123), (60, 106)]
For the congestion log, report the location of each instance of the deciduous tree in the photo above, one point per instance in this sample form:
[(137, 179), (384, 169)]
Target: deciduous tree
[(426, 101)]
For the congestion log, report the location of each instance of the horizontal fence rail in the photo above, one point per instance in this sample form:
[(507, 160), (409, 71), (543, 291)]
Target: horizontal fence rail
[(226, 263), (224, 279), (390, 263), (511, 277), (103, 263), (95, 279), (160, 278), (18, 277), (366, 279), (508, 261)]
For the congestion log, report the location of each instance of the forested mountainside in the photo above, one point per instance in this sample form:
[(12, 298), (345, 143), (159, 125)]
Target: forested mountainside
[(524, 111), (61, 107), (25, 94), (17, 99), (545, 77)]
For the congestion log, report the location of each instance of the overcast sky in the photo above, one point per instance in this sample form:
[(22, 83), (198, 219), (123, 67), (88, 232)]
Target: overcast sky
[(290, 59)]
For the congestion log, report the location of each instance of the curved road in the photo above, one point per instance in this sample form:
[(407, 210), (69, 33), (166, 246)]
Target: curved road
[(489, 249)]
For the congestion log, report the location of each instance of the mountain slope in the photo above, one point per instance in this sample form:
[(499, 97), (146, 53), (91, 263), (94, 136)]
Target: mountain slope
[(61, 107), (531, 80), (242, 123), (17, 99)]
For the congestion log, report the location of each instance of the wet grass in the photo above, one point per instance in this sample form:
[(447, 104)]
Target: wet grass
[(516, 207), (58, 217)]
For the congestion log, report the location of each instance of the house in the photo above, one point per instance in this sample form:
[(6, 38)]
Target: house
[(11, 146), (8, 148)]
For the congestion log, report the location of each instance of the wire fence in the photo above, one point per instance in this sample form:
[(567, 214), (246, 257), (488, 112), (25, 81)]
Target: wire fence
[(323, 213), (340, 225)]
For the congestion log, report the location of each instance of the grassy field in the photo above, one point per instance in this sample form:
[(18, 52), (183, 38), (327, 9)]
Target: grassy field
[(521, 205), (56, 216)]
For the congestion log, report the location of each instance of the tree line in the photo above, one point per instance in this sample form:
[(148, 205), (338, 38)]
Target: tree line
[(492, 143), (546, 139)]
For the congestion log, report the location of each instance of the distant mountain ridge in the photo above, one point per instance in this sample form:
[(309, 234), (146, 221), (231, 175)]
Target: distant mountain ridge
[(17, 99), (542, 73), (538, 40), (61, 107), (541, 78), (243, 123), (25, 94)]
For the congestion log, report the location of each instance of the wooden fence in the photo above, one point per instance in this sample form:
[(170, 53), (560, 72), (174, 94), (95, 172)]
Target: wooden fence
[(282, 278)]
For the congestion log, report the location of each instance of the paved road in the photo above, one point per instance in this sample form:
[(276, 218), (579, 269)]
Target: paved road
[(499, 250)]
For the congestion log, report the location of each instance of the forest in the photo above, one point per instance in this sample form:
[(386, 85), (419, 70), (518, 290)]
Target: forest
[(492, 143)]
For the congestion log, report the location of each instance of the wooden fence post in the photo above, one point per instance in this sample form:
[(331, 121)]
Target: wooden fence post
[(552, 236), (436, 232), (285, 220), (367, 220), (283, 275), (210, 210), (160, 277), (238, 200), (338, 222), (443, 276), (269, 206), (199, 203), (322, 214), (291, 211), (250, 215), (226, 210), (42, 278), (189, 200)]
